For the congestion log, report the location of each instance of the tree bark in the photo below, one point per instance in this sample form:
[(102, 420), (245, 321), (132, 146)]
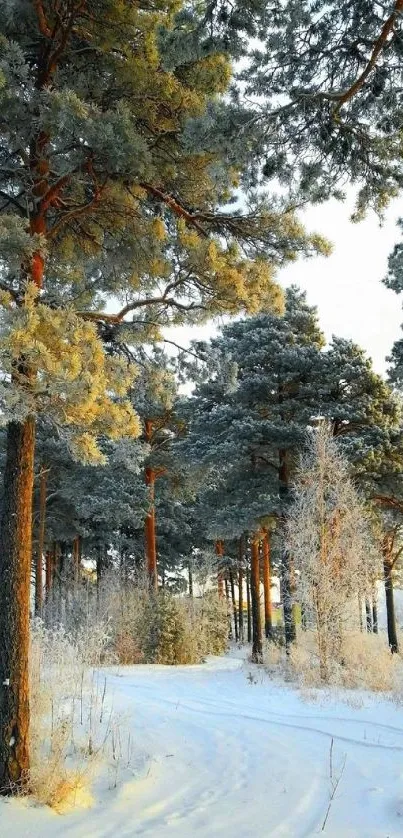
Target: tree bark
[(232, 586), (15, 575), (190, 573), (374, 614), (219, 549), (150, 537), (390, 606), (41, 542), (248, 605), (289, 620), (240, 592), (257, 647), (268, 621), (150, 533), (227, 597), (368, 616)]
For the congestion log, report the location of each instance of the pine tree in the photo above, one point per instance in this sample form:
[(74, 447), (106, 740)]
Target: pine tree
[(327, 76)]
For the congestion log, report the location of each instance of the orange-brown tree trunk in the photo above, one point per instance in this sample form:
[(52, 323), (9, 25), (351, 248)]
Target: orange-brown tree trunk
[(268, 620), (150, 537), (219, 549), (41, 542), (240, 592), (15, 575), (234, 609), (248, 604), (257, 647), (150, 532)]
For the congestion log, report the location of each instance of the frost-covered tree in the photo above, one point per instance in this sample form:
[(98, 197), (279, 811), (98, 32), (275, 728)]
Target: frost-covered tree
[(329, 537), (328, 76), (102, 193)]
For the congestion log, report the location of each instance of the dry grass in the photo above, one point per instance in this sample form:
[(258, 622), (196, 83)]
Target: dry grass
[(71, 722), (366, 663)]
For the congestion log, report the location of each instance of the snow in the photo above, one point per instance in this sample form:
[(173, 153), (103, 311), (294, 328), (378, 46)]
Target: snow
[(221, 750)]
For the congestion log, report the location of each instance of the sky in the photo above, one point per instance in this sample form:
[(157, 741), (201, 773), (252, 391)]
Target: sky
[(346, 287)]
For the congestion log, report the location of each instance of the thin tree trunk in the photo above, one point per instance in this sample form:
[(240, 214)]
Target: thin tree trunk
[(268, 622), (288, 611), (232, 585), (48, 572), (76, 562), (150, 532), (240, 592), (41, 542), (360, 611), (150, 537), (190, 573), (374, 614), (63, 581), (368, 615), (227, 597), (248, 605), (289, 620), (219, 549), (390, 606), (15, 575), (257, 647), (100, 569)]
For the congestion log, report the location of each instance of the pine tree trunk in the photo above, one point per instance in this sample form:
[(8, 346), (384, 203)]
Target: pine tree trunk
[(257, 647), (227, 597), (286, 580), (150, 536), (190, 573), (248, 605), (219, 549), (374, 614), (268, 622), (15, 575), (240, 592), (232, 586), (368, 616), (41, 542), (390, 606), (150, 532)]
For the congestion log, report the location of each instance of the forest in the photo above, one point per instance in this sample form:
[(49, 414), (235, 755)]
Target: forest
[(233, 500)]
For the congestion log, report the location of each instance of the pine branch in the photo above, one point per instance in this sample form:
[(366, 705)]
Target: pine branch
[(379, 45)]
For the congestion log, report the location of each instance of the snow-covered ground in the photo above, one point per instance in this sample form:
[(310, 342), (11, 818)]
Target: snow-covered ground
[(220, 750)]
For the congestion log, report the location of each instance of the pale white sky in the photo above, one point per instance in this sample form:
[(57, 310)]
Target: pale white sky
[(346, 287)]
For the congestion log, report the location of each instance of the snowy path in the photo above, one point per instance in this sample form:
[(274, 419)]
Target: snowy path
[(222, 756)]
